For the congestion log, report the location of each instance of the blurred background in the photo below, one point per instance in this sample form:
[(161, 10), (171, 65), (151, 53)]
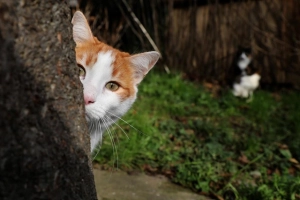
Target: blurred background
[(201, 37), (186, 124)]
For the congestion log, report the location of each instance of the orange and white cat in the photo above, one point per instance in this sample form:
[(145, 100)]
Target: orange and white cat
[(109, 77)]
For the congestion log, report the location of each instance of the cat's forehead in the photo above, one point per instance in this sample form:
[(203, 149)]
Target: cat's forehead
[(88, 55)]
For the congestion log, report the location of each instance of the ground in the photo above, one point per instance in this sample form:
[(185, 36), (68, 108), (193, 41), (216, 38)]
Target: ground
[(210, 142), (119, 185)]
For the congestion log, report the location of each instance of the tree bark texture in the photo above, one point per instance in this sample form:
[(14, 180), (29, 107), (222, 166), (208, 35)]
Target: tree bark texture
[(44, 143)]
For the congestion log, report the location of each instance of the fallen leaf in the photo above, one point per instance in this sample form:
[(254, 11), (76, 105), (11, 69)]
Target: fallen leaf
[(293, 160), (243, 159), (255, 174), (286, 153)]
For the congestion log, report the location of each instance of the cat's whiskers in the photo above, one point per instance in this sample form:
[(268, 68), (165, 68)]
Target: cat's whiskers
[(108, 118), (116, 135), (104, 123), (98, 146), (115, 151), (98, 126), (118, 126), (107, 121), (114, 121), (124, 122)]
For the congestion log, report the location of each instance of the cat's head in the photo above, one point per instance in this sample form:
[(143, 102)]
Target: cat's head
[(109, 77), (244, 52)]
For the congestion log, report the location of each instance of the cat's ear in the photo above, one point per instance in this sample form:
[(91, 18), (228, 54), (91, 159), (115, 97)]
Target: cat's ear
[(142, 63), (81, 29)]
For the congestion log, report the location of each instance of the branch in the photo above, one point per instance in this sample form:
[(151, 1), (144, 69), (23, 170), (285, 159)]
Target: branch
[(145, 32)]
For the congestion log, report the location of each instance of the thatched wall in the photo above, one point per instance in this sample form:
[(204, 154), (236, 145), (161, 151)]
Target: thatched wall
[(201, 38)]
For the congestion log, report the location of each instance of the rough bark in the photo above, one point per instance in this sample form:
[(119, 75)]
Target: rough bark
[(44, 144)]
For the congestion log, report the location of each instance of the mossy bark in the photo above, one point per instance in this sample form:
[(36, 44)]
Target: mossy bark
[(44, 144)]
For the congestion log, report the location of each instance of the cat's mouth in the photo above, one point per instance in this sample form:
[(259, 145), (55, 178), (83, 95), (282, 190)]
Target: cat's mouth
[(101, 118), (93, 113), (99, 113)]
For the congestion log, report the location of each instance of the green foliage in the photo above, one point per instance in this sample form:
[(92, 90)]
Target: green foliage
[(219, 145)]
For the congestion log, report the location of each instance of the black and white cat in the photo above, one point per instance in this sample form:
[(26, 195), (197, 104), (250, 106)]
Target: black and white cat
[(246, 76)]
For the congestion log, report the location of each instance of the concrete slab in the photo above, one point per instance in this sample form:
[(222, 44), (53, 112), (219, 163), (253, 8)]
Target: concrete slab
[(119, 185)]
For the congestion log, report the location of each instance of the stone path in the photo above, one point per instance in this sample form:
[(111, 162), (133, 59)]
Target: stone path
[(118, 185)]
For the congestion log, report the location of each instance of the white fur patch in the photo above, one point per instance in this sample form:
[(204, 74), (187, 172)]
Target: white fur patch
[(96, 78), (247, 85), (244, 61), (108, 106)]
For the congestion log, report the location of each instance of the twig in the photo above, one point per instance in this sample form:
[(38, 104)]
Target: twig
[(131, 25), (241, 170), (145, 32)]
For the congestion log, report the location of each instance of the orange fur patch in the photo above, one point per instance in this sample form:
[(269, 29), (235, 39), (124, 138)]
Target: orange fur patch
[(122, 72)]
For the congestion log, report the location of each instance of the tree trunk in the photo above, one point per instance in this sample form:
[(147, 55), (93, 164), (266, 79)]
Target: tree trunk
[(44, 144)]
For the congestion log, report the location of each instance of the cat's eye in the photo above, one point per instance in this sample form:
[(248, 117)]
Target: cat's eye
[(112, 86), (81, 71)]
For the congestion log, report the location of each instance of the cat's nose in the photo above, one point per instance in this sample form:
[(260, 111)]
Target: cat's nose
[(89, 94), (89, 99)]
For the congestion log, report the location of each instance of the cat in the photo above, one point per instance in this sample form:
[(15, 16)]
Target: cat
[(109, 78), (245, 87), (246, 76), (243, 62)]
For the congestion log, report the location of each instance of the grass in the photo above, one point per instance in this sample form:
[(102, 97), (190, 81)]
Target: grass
[(215, 145)]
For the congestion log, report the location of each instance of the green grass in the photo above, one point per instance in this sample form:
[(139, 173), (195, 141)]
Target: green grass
[(214, 145)]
